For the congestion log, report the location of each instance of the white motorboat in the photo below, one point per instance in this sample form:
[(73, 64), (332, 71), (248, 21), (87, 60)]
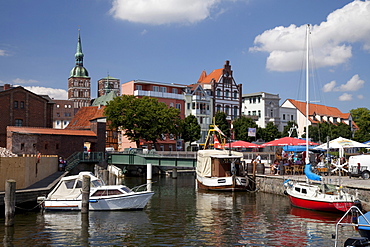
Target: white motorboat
[(67, 195), (220, 170)]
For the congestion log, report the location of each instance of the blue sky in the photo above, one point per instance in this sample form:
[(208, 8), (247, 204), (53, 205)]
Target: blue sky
[(172, 41)]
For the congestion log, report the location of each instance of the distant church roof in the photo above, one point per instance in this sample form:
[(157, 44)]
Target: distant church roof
[(104, 99), (79, 70)]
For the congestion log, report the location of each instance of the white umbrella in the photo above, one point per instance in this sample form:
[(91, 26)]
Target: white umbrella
[(341, 143)]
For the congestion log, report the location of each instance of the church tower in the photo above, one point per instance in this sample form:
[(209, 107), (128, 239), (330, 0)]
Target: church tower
[(79, 90)]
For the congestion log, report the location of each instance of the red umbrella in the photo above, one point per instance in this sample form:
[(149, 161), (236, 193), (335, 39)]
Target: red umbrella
[(288, 141), (242, 144)]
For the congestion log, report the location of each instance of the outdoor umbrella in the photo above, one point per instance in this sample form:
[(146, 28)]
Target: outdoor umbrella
[(242, 144), (341, 142), (287, 141)]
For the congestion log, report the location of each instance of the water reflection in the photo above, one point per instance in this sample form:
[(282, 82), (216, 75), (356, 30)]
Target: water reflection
[(179, 215)]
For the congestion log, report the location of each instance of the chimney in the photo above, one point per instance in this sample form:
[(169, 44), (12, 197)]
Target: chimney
[(6, 86)]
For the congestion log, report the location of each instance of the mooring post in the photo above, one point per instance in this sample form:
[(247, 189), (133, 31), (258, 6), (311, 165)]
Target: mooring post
[(149, 177), (9, 201), (174, 172), (85, 194)]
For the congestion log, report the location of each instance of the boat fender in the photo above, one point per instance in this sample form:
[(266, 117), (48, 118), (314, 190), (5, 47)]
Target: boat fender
[(93, 201)]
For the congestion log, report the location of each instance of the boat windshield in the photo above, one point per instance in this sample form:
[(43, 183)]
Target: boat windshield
[(96, 183)]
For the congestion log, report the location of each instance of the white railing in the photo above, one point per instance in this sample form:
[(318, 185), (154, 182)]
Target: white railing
[(159, 94)]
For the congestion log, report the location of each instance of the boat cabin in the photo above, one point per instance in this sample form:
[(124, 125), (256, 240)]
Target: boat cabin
[(226, 166)]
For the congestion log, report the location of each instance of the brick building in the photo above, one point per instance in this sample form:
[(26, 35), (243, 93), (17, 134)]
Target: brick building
[(23, 108)]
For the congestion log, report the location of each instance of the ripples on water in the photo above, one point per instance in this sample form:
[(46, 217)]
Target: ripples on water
[(178, 215)]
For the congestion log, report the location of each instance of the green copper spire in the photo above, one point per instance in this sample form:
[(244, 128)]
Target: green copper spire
[(79, 70)]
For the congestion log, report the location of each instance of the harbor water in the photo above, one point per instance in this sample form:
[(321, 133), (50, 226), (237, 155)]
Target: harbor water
[(179, 215)]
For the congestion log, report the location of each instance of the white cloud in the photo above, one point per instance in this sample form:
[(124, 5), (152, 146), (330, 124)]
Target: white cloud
[(345, 97), (3, 53), (354, 84), (158, 12), (331, 39), (329, 87), (24, 82), (51, 92)]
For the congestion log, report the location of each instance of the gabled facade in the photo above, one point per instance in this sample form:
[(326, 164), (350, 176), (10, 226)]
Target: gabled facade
[(226, 94), (263, 107), (199, 104), (316, 114), (20, 107)]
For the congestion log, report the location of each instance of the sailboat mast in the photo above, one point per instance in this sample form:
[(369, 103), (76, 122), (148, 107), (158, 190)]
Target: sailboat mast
[(307, 90)]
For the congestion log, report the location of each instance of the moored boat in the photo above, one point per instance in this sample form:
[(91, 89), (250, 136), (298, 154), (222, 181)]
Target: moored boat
[(67, 195), (221, 170), (321, 197)]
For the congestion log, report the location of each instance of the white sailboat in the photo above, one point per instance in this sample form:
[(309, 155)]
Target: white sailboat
[(322, 197)]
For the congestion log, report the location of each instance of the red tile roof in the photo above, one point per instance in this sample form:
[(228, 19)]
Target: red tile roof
[(84, 115), (49, 131), (320, 110), (214, 75)]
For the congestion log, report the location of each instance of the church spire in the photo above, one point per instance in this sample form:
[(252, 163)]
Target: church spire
[(79, 55)]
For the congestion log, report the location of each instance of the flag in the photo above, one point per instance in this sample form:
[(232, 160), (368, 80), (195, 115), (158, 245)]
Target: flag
[(216, 142), (251, 131), (218, 130)]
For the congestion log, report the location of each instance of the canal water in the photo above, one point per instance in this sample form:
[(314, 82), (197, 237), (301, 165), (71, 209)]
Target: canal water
[(179, 215)]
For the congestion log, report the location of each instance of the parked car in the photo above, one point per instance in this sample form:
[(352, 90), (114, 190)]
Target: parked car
[(359, 166)]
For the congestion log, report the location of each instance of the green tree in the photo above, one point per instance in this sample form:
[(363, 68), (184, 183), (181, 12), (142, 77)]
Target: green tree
[(287, 128), (361, 116), (191, 130), (142, 118), (222, 124), (241, 126), (270, 133)]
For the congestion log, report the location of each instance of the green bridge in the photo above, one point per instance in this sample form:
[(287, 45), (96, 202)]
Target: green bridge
[(161, 159)]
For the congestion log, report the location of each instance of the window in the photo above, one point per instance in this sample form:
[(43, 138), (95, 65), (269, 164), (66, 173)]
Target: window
[(155, 88), (15, 104), (235, 111), (227, 108), (271, 113), (291, 118), (22, 104), (218, 108), (218, 93), (174, 90), (227, 94), (18, 122), (171, 104), (22, 146), (254, 113), (139, 87), (57, 106), (259, 113), (235, 94), (249, 113), (178, 106), (283, 116), (163, 89), (188, 106)]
